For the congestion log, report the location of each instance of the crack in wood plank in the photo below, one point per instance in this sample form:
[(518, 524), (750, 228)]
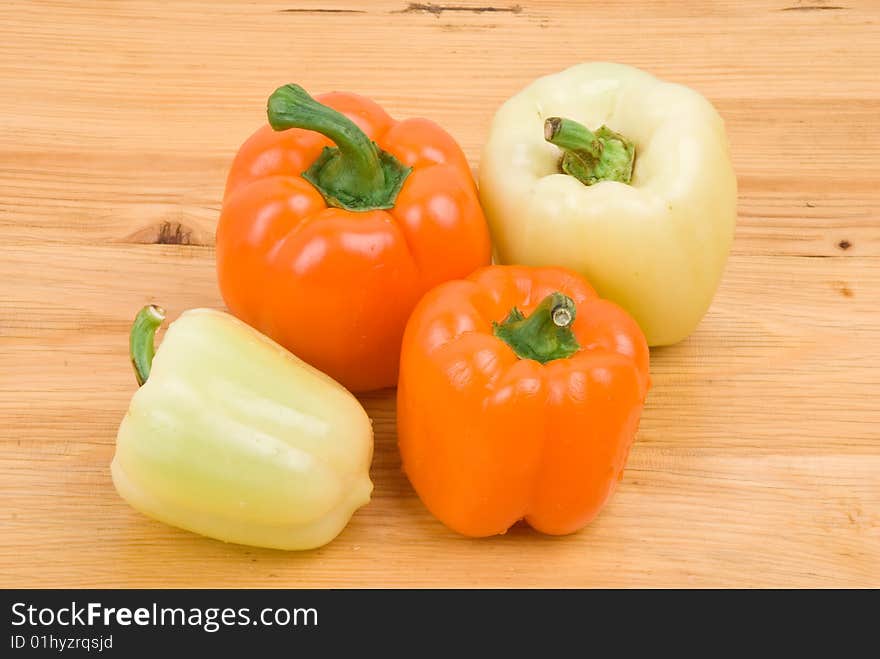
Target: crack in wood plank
[(813, 8), (437, 10), (167, 232)]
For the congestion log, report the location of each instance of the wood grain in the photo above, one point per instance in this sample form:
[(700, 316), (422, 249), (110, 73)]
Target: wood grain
[(758, 457)]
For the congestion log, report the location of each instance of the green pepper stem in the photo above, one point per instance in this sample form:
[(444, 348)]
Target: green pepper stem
[(140, 341), (590, 156), (355, 174), (570, 135), (545, 334)]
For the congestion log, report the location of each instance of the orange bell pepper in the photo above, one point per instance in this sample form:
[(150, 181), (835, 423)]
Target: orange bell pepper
[(519, 397), (327, 249)]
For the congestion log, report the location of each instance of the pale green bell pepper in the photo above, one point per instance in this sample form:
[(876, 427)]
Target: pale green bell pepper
[(233, 437)]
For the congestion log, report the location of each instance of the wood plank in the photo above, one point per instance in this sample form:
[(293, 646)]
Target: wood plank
[(758, 457)]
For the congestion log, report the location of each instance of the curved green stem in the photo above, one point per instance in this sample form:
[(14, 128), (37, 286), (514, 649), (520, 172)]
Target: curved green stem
[(140, 341), (570, 135), (544, 335), (591, 157), (355, 174)]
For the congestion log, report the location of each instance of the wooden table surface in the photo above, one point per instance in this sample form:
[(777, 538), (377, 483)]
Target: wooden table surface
[(758, 458)]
